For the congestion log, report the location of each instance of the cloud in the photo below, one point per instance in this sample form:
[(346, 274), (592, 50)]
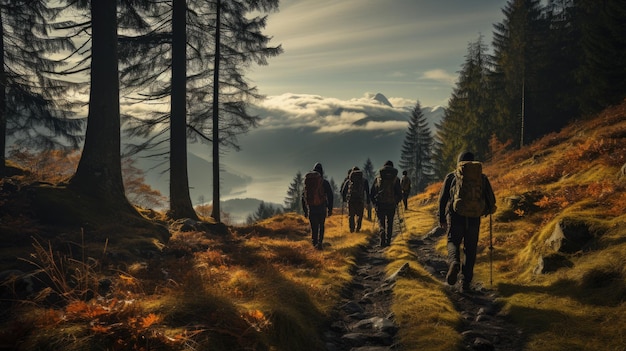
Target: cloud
[(439, 75), (329, 115)]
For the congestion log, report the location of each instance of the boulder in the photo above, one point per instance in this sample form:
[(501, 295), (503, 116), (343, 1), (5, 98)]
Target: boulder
[(552, 262), (569, 236)]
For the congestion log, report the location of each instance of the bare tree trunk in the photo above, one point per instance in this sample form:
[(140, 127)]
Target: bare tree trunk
[(3, 103), (216, 139), (99, 171), (180, 201)]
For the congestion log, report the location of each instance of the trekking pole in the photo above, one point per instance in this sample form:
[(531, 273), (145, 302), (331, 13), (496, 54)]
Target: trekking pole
[(490, 251)]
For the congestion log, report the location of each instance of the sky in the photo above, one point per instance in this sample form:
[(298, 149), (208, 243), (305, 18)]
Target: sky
[(404, 49), (321, 106)]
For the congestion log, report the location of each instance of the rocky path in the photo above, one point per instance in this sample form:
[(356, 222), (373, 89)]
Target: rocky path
[(363, 320), (483, 327)]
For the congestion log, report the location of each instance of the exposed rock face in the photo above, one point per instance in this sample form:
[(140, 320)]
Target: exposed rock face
[(569, 236)]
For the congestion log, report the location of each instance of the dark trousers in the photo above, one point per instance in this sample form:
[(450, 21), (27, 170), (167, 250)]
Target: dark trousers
[(385, 223), (317, 220), (405, 200), (463, 230), (355, 209)]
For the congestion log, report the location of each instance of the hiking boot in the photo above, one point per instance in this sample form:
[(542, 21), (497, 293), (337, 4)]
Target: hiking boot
[(453, 273), (319, 246)]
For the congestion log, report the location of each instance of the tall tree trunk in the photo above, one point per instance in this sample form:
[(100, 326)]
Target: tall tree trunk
[(3, 103), (180, 201), (99, 171), (216, 139)]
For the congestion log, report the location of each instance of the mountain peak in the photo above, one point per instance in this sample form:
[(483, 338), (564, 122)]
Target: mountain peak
[(382, 99)]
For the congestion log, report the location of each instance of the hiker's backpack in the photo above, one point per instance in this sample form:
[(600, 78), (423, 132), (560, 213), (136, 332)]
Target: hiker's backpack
[(386, 181), (405, 184), (468, 190), (355, 186), (314, 193)]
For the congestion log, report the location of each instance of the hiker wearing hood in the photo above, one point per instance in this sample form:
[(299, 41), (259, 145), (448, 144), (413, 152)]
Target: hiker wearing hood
[(317, 203), (466, 195), (386, 193), (355, 190)]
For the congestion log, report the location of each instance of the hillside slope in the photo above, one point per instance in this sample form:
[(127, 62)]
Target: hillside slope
[(559, 235), (559, 266)]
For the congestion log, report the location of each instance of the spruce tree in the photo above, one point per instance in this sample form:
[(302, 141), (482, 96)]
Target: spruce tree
[(293, 200), (32, 111), (415, 157), (467, 122), (517, 55), (222, 40), (602, 70), (369, 172), (99, 170)]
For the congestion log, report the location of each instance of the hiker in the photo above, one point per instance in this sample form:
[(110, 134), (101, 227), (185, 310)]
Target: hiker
[(385, 195), (356, 192), (459, 215), (405, 184), (317, 203)]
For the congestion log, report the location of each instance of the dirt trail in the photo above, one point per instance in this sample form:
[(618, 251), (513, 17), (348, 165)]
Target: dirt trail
[(363, 321), (483, 327)]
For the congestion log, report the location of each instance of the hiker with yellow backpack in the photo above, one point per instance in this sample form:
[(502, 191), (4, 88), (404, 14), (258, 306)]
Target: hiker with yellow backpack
[(465, 196)]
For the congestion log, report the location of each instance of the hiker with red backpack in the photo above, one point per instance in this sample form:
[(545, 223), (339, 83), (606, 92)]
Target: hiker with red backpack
[(465, 196), (317, 203), (385, 195), (355, 191)]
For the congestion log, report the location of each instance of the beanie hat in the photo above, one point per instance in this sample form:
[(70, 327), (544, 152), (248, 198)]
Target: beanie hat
[(318, 168), (466, 156), (355, 168), (389, 163), (404, 172)]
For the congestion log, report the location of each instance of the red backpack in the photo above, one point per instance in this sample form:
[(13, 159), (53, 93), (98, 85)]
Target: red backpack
[(314, 193)]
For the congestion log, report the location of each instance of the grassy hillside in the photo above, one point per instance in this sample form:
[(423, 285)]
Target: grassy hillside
[(264, 287), (569, 177)]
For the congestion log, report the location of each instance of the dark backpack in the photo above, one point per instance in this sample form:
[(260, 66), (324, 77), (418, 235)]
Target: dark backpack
[(355, 186), (405, 184), (468, 190), (386, 181), (314, 193)]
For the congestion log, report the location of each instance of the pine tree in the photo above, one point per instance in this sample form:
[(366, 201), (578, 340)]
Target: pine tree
[(293, 201), (415, 157), (212, 43), (368, 171), (264, 211), (517, 58), (32, 111), (602, 70), (467, 123), (99, 170)]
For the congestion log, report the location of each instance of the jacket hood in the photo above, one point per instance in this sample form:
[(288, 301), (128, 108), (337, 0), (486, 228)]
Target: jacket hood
[(318, 168), (465, 156)]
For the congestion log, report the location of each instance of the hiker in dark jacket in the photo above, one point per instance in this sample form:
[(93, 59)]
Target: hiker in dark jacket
[(405, 184), (317, 213), (386, 194), (357, 198), (461, 229)]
